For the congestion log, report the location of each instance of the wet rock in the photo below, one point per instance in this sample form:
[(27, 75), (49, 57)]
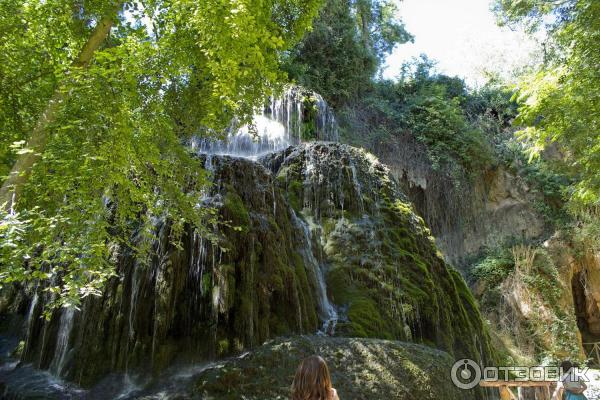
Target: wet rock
[(360, 369)]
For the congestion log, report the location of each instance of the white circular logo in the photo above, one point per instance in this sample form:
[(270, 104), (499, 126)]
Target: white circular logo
[(465, 374)]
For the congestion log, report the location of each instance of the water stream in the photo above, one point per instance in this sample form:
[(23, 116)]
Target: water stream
[(62, 340), (296, 116), (327, 311), (24, 381)]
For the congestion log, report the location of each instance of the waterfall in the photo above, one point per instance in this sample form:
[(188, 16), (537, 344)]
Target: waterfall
[(289, 219), (34, 302), (62, 340), (358, 187), (30, 318), (327, 311), (298, 115), (135, 288), (197, 263), (189, 288)]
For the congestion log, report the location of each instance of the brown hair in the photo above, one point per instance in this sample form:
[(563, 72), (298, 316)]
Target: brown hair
[(312, 380), (566, 366)]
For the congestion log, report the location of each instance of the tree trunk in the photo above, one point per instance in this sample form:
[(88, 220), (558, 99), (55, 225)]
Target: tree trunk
[(21, 170)]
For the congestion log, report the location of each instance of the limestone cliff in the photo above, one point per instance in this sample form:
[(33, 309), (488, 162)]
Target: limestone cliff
[(464, 214), (580, 276)]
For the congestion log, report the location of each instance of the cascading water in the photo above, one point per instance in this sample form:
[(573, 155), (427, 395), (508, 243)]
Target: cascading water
[(298, 115), (328, 313), (62, 341), (357, 186)]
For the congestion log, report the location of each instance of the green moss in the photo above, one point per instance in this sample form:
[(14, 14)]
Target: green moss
[(235, 210), (294, 192), (366, 321), (18, 351), (307, 300), (309, 119), (340, 288), (387, 275), (223, 347)]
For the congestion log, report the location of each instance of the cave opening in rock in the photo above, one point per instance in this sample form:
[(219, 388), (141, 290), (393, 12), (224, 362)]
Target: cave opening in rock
[(586, 312), (579, 301)]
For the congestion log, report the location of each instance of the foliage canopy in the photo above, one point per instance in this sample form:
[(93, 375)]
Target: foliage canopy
[(560, 102), (115, 152)]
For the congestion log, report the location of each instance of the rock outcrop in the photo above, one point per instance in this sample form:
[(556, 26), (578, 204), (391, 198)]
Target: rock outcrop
[(580, 276), (361, 369), (465, 215), (543, 301)]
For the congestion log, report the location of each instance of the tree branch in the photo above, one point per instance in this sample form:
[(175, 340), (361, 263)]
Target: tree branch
[(13, 185)]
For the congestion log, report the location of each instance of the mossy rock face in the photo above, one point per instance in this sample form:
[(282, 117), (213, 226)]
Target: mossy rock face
[(384, 272), (202, 300), (360, 369), (234, 208)]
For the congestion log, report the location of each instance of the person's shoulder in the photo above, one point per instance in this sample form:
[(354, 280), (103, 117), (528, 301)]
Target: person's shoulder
[(334, 394)]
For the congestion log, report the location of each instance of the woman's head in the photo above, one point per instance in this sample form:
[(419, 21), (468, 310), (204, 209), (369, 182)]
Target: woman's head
[(312, 380), (566, 366)]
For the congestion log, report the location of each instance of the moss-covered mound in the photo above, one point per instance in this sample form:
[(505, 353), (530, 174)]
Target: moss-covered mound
[(360, 369), (384, 272)]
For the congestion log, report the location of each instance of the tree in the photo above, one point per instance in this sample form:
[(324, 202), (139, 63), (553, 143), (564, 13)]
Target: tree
[(347, 45), (560, 101), (100, 135), (379, 27)]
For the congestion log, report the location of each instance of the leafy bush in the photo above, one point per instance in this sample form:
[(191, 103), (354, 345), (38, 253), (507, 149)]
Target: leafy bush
[(441, 124), (495, 267)]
